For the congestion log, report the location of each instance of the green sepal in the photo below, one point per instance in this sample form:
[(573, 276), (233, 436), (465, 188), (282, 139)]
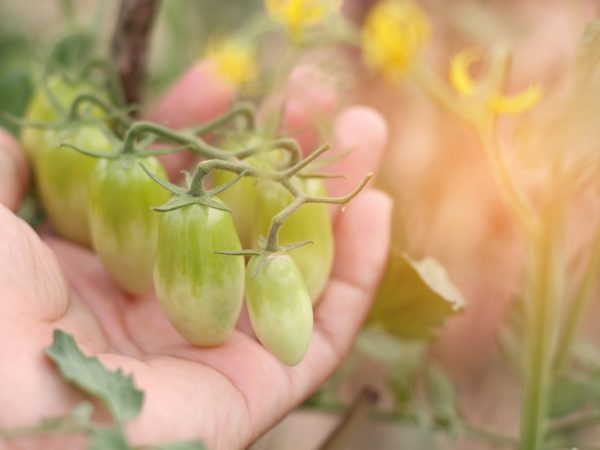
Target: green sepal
[(187, 200)]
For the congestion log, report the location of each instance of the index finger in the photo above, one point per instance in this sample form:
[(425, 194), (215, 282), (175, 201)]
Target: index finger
[(197, 96)]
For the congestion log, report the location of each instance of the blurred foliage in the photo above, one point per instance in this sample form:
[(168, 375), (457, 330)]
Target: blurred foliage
[(16, 84), (414, 298), (183, 30)]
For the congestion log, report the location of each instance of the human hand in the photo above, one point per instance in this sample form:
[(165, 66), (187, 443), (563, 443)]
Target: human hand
[(226, 396)]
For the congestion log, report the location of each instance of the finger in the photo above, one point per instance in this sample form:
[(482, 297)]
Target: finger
[(199, 95), (363, 237), (363, 132), (31, 283), (310, 98), (14, 175)]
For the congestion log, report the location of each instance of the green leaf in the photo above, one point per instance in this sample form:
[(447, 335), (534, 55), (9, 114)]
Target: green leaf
[(73, 51), (80, 415), (15, 90), (116, 390), (414, 298), (108, 439), (443, 398), (191, 445), (568, 395)]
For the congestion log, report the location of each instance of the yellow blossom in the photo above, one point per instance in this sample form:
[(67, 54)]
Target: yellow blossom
[(393, 34), (464, 85), (233, 60), (297, 15)]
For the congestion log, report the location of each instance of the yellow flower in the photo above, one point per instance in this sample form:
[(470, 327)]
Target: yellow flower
[(233, 60), (464, 85), (296, 15), (393, 34)]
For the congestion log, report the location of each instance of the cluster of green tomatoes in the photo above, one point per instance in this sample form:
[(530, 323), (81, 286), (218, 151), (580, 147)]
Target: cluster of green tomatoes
[(103, 186)]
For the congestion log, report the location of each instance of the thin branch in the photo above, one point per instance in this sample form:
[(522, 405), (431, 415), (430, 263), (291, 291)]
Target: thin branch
[(130, 44), (362, 405)]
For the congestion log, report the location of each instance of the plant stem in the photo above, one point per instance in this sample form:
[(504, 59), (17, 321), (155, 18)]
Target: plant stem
[(543, 296), (577, 305), (512, 193), (130, 42)]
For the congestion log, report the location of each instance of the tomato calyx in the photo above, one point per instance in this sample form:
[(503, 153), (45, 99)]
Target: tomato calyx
[(263, 253), (195, 193)]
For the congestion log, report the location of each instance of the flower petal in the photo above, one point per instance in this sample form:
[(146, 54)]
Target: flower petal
[(516, 103), (459, 71)]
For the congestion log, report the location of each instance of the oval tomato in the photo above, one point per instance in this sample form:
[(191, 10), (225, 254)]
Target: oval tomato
[(310, 222), (279, 306), (199, 290), (41, 109), (124, 228), (62, 176), (241, 197)]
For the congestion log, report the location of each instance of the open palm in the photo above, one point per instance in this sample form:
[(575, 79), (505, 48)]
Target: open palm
[(226, 396)]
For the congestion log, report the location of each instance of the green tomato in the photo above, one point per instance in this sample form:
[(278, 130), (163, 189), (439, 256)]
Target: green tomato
[(63, 174), (241, 197), (279, 306), (124, 227), (200, 291), (310, 222), (40, 109)]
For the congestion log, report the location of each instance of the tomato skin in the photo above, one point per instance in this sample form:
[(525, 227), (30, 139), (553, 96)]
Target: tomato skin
[(241, 199), (200, 291), (124, 228), (310, 222), (62, 176), (40, 109), (279, 306)]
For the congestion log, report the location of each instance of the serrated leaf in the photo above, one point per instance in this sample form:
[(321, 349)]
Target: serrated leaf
[(414, 298), (116, 390), (108, 439), (191, 445)]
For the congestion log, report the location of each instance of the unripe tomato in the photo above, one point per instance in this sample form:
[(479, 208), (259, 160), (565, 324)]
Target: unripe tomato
[(40, 109), (279, 306), (310, 222), (124, 227), (241, 197), (62, 175), (200, 291)]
